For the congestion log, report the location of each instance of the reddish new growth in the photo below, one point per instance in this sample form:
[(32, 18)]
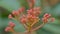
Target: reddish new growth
[(46, 17), (29, 19), (10, 27)]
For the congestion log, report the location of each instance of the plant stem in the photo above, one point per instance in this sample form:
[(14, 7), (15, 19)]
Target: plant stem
[(38, 27)]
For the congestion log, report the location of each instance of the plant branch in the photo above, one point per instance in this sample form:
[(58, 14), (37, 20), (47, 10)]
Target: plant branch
[(38, 27), (26, 27)]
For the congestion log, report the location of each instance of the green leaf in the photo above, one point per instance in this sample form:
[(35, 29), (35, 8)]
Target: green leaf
[(10, 4)]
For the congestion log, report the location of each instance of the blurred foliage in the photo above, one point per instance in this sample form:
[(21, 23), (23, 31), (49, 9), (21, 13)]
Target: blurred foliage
[(7, 6)]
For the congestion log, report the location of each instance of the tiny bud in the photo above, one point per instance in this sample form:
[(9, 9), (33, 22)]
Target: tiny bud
[(45, 20), (29, 16), (8, 29), (47, 15), (29, 11), (21, 9), (11, 24), (34, 17), (23, 20), (10, 16), (14, 12), (52, 19), (17, 13)]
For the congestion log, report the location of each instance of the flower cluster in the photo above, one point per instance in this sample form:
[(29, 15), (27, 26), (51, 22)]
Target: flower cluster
[(46, 17), (31, 16), (10, 27), (29, 19), (16, 13)]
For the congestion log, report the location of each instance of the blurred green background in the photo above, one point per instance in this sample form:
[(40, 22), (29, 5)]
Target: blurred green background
[(48, 6)]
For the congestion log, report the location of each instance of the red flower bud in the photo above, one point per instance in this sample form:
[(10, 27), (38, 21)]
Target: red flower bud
[(11, 24), (8, 29), (47, 15), (21, 9), (45, 20), (15, 13), (10, 16), (23, 19)]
